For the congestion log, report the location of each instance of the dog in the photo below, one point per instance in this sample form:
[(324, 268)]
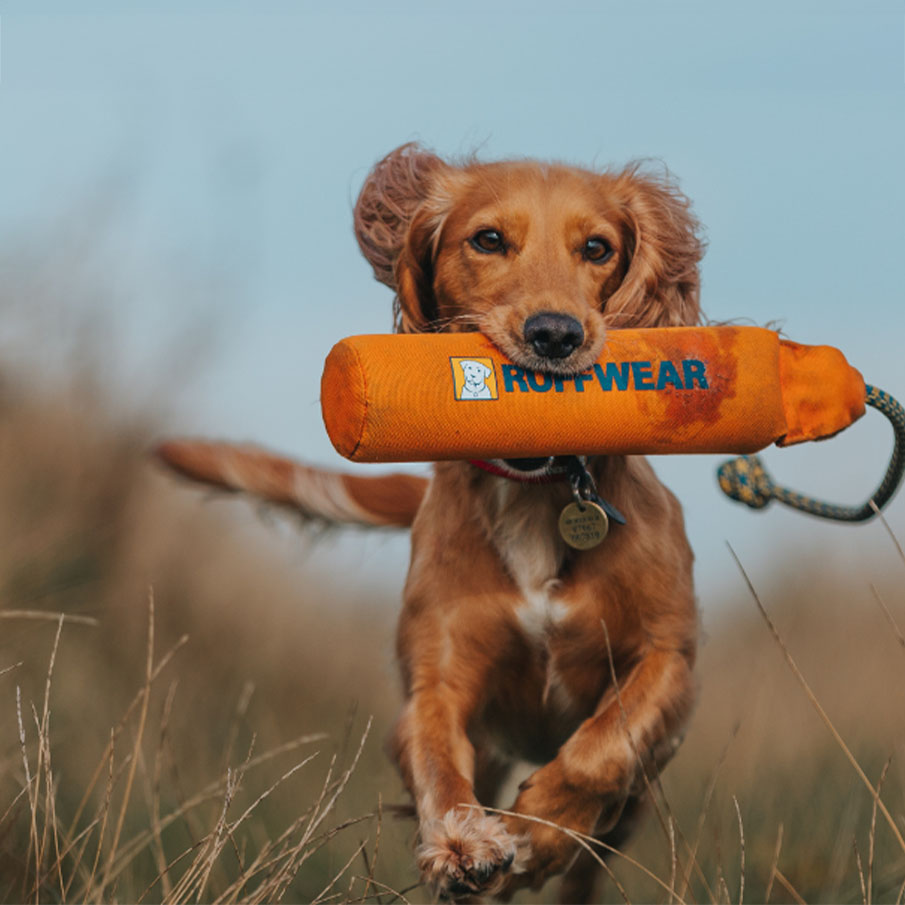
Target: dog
[(512, 645), (475, 374)]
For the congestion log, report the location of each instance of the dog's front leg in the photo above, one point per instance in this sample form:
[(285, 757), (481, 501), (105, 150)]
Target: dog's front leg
[(601, 763), (463, 851), (456, 616)]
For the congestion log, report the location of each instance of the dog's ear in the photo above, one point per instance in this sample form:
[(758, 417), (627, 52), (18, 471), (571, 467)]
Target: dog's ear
[(415, 308), (661, 284), (396, 221)]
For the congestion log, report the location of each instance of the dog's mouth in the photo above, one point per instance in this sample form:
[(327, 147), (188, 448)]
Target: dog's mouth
[(525, 466), (547, 343), (536, 468)]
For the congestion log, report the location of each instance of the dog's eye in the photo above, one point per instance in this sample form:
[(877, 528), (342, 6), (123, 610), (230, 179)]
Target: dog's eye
[(597, 250), (488, 241)]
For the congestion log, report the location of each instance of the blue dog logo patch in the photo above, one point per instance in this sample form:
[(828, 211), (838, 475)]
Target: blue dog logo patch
[(474, 378)]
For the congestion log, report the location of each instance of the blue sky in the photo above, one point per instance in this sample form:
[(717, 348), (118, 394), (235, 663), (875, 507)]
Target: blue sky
[(200, 161)]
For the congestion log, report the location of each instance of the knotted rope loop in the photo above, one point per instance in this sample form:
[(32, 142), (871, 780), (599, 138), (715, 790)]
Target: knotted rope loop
[(746, 480)]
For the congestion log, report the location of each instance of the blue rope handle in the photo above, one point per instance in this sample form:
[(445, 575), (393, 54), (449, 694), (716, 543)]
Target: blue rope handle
[(746, 480)]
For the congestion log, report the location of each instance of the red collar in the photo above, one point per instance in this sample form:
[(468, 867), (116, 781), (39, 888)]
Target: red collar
[(552, 474)]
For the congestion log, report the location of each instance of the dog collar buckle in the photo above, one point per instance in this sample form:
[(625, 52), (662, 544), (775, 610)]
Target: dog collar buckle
[(584, 490)]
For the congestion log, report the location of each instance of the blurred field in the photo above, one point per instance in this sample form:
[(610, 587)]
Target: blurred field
[(277, 652)]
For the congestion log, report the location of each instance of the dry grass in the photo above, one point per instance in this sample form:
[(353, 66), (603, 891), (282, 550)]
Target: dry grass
[(804, 700), (84, 860)]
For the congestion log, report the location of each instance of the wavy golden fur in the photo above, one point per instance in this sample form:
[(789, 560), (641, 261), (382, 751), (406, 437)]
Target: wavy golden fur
[(509, 640)]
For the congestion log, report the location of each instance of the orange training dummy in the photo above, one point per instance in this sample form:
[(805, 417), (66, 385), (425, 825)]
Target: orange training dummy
[(428, 397)]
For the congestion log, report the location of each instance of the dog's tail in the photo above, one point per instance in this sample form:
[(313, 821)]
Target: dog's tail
[(326, 496)]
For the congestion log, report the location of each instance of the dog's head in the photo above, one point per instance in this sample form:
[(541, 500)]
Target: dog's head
[(541, 258), (475, 372)]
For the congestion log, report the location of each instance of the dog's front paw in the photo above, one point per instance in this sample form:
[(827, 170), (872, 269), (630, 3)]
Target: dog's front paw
[(468, 853), (559, 807)]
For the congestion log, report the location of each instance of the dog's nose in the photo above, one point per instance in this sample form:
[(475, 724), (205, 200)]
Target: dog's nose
[(553, 335)]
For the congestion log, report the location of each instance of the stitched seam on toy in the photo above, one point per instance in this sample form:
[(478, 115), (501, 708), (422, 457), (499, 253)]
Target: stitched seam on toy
[(364, 414)]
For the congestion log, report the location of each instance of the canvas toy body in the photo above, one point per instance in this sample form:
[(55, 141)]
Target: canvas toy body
[(667, 390)]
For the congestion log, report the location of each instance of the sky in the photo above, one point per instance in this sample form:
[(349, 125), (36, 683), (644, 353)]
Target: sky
[(189, 170)]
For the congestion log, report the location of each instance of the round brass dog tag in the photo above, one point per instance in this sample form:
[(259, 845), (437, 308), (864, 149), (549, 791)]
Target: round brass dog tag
[(583, 528)]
